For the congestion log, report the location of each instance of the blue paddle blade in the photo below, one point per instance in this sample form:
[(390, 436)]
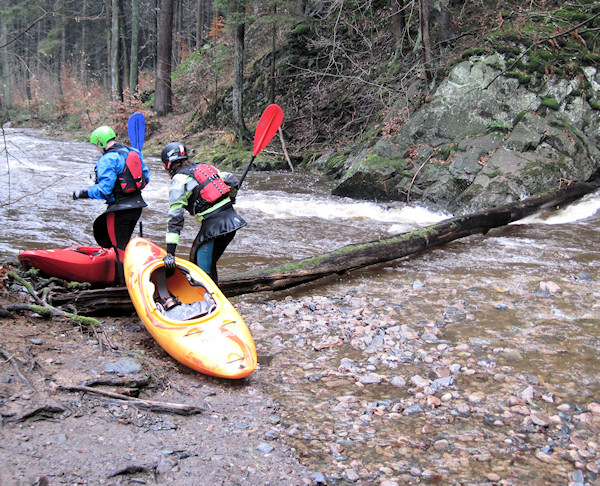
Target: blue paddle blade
[(136, 129)]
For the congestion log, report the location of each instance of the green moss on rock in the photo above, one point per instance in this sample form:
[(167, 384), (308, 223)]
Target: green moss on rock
[(550, 102)]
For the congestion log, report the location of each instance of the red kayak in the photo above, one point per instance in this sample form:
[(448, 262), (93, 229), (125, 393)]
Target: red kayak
[(92, 264)]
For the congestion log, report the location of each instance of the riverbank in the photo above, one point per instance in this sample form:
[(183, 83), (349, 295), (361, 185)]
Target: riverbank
[(360, 381)]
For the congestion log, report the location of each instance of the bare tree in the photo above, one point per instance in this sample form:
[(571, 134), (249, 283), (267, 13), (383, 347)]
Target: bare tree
[(135, 41), (425, 37), (162, 90), (114, 50), (5, 87), (302, 4), (398, 19), (239, 10)]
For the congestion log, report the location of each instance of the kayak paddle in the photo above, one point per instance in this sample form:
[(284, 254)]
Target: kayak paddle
[(136, 129), (267, 127)]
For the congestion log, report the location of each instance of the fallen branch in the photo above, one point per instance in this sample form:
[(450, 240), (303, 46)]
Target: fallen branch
[(285, 152), (46, 310), (118, 381), (149, 468), (41, 413), (153, 406), (13, 361)]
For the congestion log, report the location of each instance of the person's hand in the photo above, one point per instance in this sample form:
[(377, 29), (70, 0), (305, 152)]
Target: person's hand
[(83, 194), (169, 262)]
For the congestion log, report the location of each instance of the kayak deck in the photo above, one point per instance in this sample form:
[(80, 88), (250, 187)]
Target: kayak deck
[(202, 330)]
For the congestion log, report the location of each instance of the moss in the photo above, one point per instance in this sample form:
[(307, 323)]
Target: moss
[(300, 29), (563, 125), (79, 286), (518, 118), (376, 162), (508, 51), (477, 51), (444, 153), (592, 58), (498, 127), (595, 104), (522, 78), (337, 160), (550, 102)]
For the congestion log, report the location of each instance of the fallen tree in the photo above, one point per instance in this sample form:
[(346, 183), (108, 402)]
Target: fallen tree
[(351, 257)]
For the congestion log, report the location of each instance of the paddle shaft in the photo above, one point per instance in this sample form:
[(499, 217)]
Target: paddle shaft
[(243, 176)]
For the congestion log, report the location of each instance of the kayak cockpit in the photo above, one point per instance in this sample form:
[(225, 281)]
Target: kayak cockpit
[(179, 296)]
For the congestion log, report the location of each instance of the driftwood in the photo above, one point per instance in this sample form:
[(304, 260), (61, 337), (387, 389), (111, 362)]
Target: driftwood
[(349, 257), (161, 407), (6, 356), (43, 308)]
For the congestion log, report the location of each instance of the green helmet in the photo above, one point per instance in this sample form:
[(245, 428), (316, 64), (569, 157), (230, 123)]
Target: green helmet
[(102, 135)]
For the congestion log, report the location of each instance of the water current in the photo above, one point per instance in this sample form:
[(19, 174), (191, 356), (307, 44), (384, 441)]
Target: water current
[(493, 279)]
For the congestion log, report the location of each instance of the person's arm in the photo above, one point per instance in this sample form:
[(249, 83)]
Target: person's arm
[(106, 168), (232, 181), (178, 200)]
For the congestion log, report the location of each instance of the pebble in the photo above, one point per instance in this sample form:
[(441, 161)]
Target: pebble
[(550, 287), (351, 475), (385, 363), (123, 366), (594, 408), (319, 478), (398, 381), (265, 448)]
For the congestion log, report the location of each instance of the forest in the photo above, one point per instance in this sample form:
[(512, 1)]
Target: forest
[(341, 69)]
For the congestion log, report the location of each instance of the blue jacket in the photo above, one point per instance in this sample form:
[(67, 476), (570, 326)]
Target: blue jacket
[(108, 167)]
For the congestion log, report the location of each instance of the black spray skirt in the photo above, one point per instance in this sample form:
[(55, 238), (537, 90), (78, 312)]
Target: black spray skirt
[(218, 223), (123, 203)]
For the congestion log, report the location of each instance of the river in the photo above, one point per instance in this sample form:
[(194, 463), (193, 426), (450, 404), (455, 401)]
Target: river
[(485, 298)]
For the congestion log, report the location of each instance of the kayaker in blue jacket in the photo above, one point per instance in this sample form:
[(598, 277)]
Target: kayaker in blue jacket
[(121, 174), (208, 195)]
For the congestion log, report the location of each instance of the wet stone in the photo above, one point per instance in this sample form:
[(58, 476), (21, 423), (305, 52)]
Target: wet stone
[(413, 409), (265, 448), (123, 366)]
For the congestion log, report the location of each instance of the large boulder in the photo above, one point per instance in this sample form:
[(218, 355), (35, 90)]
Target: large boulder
[(483, 138)]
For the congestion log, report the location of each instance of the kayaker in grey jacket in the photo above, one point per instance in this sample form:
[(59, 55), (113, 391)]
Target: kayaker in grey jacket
[(208, 195)]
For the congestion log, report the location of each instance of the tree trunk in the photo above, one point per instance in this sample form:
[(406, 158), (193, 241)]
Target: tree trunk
[(135, 42), (444, 22), (5, 84), (241, 132), (114, 50), (302, 6), (83, 60), (398, 20), (200, 11), (350, 257), (124, 50), (162, 90), (425, 37)]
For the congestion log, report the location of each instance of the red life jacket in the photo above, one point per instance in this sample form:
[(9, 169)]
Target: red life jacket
[(132, 178), (210, 187)]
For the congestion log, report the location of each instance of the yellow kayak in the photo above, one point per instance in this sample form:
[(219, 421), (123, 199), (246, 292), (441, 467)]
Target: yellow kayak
[(187, 314)]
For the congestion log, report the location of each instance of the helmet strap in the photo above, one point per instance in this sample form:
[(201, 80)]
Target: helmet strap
[(175, 166)]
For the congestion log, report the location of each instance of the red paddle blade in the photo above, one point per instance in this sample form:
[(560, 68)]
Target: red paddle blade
[(267, 127)]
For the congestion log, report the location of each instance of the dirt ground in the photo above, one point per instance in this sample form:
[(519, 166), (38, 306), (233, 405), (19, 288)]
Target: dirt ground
[(53, 433)]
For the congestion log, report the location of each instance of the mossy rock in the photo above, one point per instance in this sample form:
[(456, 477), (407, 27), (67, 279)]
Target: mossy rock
[(550, 102)]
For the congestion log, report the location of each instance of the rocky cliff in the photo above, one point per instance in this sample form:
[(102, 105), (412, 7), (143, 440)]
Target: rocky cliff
[(487, 136)]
